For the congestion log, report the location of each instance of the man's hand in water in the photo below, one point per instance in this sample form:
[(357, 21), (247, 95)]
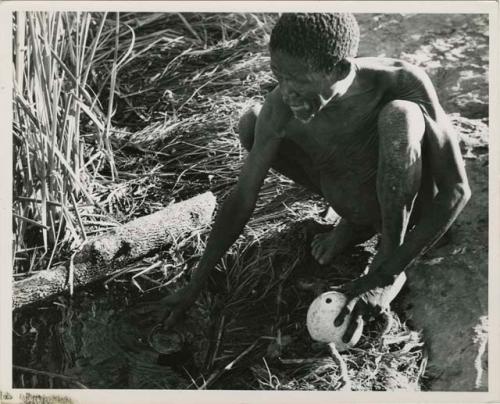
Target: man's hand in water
[(168, 310), (367, 296)]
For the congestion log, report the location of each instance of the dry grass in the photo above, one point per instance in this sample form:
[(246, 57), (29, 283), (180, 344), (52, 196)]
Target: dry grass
[(55, 157), (176, 102)]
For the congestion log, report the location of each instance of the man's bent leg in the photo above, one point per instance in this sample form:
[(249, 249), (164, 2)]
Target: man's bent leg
[(296, 165), (401, 129)]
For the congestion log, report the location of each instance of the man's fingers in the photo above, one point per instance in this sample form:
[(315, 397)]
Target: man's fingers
[(340, 318), (171, 300), (339, 288), (148, 304), (143, 308), (348, 289), (146, 312), (314, 248), (354, 323), (172, 318), (171, 312), (347, 309)]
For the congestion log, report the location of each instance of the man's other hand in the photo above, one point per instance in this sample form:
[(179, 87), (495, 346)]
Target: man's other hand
[(367, 296)]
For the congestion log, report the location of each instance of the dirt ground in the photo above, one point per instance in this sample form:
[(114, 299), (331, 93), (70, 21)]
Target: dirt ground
[(447, 290), (453, 49)]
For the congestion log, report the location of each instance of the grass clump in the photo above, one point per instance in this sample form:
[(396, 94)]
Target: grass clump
[(60, 131)]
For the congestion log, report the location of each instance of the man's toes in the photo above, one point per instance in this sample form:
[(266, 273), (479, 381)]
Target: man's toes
[(314, 245), (322, 260), (318, 252), (315, 252), (322, 249), (320, 236), (316, 239), (327, 256), (317, 245), (322, 257)]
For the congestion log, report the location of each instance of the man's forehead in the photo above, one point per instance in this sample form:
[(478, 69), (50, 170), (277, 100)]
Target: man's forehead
[(284, 62), (279, 57)]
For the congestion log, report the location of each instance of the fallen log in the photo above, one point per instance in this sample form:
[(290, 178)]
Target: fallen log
[(101, 255)]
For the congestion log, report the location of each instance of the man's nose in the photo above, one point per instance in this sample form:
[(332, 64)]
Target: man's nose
[(288, 92)]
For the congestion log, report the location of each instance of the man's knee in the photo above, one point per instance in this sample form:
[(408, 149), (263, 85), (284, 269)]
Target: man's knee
[(246, 126), (401, 126)]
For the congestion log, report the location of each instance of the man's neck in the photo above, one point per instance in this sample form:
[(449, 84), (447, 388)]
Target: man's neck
[(344, 88)]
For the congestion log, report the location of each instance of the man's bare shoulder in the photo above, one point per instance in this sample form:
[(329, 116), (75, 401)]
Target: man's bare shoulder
[(274, 116), (398, 77), (388, 69), (273, 99)]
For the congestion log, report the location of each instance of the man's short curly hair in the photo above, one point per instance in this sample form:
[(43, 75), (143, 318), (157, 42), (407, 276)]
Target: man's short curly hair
[(321, 39)]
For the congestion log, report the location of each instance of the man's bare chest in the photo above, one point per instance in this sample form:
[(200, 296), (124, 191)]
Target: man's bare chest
[(340, 140)]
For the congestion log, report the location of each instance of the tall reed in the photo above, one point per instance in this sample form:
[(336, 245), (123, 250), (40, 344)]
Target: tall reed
[(54, 158)]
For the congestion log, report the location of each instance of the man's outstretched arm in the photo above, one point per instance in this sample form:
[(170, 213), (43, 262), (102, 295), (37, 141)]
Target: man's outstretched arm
[(238, 206)]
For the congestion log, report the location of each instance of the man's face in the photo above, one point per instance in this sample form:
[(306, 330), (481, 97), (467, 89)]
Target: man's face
[(306, 92)]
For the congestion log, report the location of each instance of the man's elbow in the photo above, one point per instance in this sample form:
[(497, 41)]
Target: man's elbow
[(463, 193)]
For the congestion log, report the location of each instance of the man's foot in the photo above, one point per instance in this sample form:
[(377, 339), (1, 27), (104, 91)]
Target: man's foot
[(326, 246)]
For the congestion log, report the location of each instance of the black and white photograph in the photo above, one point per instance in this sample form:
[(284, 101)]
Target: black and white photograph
[(290, 200)]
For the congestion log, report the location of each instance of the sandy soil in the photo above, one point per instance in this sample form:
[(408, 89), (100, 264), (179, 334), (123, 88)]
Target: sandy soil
[(447, 290), (453, 49)]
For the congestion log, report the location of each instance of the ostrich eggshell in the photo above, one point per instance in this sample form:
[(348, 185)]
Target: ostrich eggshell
[(321, 315)]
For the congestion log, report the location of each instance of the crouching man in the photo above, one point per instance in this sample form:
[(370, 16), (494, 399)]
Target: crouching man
[(368, 135)]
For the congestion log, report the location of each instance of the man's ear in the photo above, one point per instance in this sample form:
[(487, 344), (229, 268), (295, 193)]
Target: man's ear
[(342, 69)]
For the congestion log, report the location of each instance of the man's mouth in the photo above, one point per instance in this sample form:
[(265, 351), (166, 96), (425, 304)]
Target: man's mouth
[(303, 112), (299, 107)]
